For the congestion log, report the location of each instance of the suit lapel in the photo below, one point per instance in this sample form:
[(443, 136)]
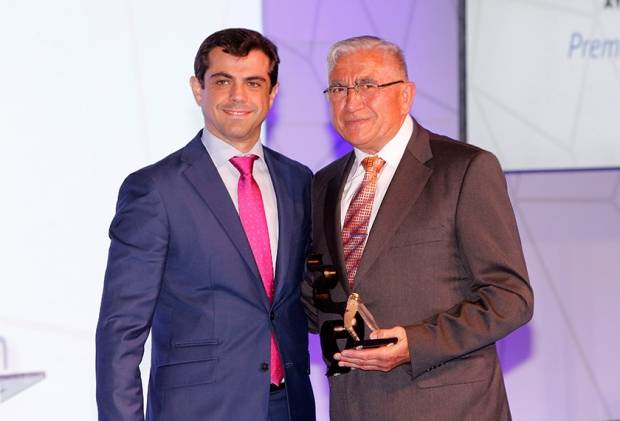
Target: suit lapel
[(332, 215), (405, 188), (203, 175), (285, 205)]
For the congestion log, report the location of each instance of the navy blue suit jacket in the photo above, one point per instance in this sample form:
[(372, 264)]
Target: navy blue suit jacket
[(180, 267)]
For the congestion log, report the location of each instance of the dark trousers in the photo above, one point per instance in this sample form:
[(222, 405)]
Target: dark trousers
[(278, 406)]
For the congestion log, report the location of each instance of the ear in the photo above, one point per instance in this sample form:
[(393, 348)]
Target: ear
[(273, 93), (197, 89), (407, 95)]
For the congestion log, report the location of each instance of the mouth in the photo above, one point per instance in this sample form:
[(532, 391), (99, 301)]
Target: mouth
[(237, 113), (355, 122)]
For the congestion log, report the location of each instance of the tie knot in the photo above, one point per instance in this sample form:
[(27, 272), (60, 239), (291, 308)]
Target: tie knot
[(244, 164), (373, 164)]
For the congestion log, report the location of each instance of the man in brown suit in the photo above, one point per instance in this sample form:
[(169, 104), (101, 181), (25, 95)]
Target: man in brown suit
[(426, 235)]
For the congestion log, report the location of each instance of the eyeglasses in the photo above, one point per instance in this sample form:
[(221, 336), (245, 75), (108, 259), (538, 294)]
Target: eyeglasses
[(366, 90)]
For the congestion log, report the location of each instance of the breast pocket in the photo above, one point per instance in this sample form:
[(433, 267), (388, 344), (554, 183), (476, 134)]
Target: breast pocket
[(419, 236)]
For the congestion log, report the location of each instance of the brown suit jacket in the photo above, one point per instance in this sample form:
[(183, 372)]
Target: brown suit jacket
[(443, 259)]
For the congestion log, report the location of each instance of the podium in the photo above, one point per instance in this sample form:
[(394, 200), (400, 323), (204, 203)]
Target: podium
[(13, 383)]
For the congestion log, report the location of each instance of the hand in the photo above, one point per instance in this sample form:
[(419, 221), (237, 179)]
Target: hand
[(384, 358)]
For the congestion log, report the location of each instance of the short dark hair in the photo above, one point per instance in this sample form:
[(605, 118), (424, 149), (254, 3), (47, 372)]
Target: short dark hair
[(237, 42)]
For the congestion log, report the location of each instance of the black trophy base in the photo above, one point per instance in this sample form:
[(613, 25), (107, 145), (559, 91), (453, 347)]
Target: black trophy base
[(373, 343)]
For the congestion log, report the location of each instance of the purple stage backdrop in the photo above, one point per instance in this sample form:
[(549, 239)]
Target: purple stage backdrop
[(563, 365)]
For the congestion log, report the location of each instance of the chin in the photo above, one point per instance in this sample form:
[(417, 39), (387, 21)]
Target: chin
[(238, 131), (357, 142)]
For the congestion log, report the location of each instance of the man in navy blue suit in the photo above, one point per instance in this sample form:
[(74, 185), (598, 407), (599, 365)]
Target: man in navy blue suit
[(207, 254)]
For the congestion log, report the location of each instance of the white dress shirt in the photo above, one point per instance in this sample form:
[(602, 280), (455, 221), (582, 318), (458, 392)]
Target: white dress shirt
[(391, 153), (220, 153)]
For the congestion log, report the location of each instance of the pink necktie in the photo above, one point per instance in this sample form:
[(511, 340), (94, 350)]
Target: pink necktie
[(355, 227), (252, 214)]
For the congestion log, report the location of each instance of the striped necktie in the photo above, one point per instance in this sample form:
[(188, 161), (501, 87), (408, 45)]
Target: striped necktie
[(355, 227)]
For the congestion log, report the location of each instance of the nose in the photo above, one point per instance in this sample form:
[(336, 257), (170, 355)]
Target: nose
[(353, 100), (237, 92)]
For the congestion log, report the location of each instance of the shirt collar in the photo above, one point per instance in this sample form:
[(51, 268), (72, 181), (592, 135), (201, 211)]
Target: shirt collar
[(221, 151), (393, 151)]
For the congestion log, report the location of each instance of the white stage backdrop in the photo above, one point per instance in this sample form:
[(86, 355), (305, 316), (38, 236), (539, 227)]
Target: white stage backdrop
[(543, 82), (89, 92)]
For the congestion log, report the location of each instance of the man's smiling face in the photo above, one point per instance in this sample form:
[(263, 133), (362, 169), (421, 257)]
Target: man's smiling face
[(235, 96)]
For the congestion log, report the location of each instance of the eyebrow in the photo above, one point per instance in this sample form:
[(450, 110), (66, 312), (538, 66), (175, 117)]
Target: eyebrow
[(221, 74), (358, 81), (255, 78), (229, 76)]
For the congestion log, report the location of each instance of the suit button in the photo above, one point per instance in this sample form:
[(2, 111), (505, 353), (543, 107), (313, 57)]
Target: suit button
[(272, 315), (264, 366)]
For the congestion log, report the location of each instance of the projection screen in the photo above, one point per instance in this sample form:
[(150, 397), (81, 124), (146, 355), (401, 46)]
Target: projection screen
[(541, 82)]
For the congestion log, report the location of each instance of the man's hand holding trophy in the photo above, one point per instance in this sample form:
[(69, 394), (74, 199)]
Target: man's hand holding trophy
[(351, 319)]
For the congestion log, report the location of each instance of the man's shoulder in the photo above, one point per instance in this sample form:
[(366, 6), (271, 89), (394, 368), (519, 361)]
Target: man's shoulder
[(172, 164), (332, 169), (447, 150), (290, 164), (444, 145), (456, 157)]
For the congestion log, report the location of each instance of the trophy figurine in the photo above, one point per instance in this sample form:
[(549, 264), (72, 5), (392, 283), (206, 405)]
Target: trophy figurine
[(353, 316), (355, 307)]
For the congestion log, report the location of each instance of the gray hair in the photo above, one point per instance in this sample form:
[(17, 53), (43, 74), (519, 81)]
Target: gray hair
[(364, 42)]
